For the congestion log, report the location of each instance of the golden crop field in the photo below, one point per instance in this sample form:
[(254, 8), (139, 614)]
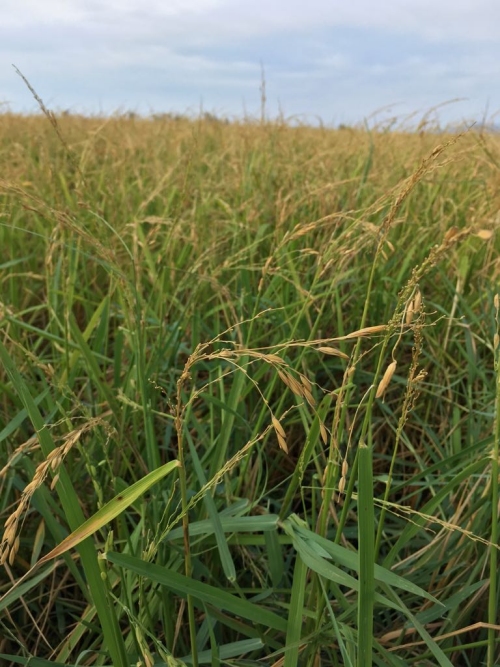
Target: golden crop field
[(250, 386)]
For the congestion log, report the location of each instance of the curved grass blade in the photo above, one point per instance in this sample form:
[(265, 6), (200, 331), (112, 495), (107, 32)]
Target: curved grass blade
[(224, 553), (227, 651), (350, 559), (441, 658), (21, 590), (32, 661), (294, 631), (264, 523), (202, 593), (412, 528), (110, 510)]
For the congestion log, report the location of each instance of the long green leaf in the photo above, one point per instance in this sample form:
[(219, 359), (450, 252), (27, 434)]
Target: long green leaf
[(33, 662), (295, 617), (110, 511), (412, 528), (224, 553), (185, 586), (430, 643), (240, 524), (21, 590), (350, 559), (228, 651)]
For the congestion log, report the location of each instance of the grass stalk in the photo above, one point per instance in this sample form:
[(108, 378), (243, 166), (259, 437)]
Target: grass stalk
[(493, 595), (366, 518), (188, 565)]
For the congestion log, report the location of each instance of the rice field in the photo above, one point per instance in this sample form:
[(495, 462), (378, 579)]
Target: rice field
[(249, 394)]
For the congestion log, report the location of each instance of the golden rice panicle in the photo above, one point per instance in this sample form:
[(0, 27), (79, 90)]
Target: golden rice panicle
[(303, 389), (484, 234), (414, 307), (274, 359), (310, 399), (293, 384), (366, 331), (343, 477), (450, 234), (305, 382), (10, 540), (13, 550), (10, 543), (280, 434), (385, 381), (307, 391), (335, 352), (323, 433), (417, 301)]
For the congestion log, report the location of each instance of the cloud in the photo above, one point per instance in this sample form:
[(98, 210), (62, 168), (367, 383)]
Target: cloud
[(209, 20), (329, 59)]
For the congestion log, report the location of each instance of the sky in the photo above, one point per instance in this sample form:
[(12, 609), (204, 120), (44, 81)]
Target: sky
[(329, 61)]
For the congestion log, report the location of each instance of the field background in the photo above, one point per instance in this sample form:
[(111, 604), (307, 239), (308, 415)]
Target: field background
[(306, 320)]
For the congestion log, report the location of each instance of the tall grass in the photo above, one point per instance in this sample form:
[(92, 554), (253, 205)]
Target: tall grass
[(302, 321)]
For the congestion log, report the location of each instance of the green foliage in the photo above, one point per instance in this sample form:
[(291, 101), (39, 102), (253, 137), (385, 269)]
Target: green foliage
[(306, 321)]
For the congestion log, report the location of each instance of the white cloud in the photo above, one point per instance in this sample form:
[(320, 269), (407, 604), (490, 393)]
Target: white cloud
[(318, 55), (210, 20), (50, 12)]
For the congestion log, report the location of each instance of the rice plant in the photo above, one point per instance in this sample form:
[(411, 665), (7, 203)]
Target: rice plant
[(249, 394)]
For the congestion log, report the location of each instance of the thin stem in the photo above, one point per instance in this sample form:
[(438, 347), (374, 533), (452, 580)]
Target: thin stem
[(188, 567), (366, 518), (493, 596)]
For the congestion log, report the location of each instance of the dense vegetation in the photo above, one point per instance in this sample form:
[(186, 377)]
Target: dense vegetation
[(261, 362)]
